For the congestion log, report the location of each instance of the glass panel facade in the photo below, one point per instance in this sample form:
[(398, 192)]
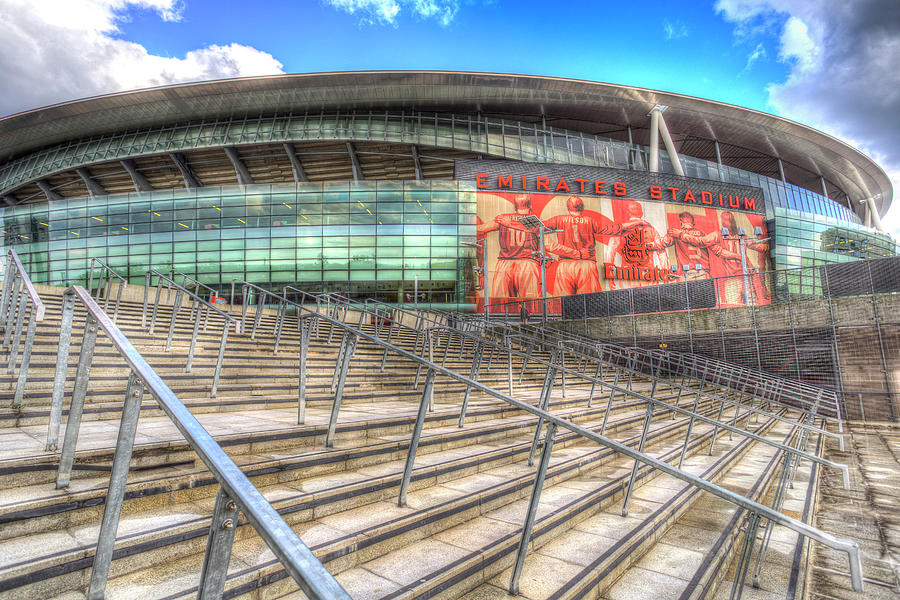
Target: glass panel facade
[(804, 240), (503, 138), (368, 239)]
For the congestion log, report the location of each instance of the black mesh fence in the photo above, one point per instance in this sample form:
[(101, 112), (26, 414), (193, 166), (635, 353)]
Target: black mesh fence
[(836, 325)]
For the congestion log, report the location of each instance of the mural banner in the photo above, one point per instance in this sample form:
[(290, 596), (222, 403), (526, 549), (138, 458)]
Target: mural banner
[(611, 243)]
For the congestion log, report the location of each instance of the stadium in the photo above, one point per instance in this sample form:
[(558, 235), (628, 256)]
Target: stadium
[(643, 345), (373, 183)]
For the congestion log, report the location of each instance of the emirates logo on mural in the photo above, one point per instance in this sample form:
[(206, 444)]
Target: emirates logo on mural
[(634, 248)]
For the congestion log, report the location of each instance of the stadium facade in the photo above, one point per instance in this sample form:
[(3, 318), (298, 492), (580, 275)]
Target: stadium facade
[(379, 183)]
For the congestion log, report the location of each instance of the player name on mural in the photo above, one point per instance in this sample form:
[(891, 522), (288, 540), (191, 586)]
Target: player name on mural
[(599, 187)]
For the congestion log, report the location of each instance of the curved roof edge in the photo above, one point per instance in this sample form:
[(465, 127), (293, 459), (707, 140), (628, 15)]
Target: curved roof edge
[(813, 150)]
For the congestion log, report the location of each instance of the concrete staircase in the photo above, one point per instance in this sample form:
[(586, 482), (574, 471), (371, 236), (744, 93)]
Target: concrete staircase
[(458, 533)]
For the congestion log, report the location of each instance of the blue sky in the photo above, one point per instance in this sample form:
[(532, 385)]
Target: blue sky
[(684, 48), (829, 64)]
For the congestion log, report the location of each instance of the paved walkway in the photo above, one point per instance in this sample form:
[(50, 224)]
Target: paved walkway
[(869, 513)]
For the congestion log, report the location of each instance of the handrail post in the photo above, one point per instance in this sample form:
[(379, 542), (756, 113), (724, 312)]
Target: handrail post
[(59, 378), (305, 331), (146, 297), (26, 359), (190, 358), (220, 358), (17, 333), (350, 346), (634, 469), (76, 406), (474, 370), (218, 548), (546, 392), (12, 308), (532, 509), (115, 494), (424, 403), (7, 287), (176, 306)]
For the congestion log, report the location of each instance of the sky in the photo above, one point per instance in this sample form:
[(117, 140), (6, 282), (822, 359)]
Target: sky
[(829, 64)]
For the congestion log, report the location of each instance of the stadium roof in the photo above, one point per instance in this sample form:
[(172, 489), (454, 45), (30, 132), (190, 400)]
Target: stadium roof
[(598, 108)]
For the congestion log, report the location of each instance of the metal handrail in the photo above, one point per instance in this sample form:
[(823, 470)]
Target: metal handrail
[(110, 274), (614, 389), (237, 493), (185, 277), (18, 291), (353, 334), (557, 336), (200, 305)]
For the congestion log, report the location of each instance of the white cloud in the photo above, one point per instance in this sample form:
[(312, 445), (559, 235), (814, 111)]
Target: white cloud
[(843, 76), (674, 31), (797, 45), (387, 12), (57, 50), (758, 53)]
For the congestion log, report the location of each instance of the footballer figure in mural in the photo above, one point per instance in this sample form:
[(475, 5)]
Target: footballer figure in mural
[(690, 251), (728, 251), (576, 272), (640, 247), (517, 273)]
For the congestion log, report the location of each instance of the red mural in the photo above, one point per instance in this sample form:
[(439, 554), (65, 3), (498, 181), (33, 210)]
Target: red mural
[(599, 244)]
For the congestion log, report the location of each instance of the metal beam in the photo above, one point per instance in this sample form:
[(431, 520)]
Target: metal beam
[(357, 170), (240, 169), (10, 200), (654, 140), (670, 146), (296, 167), (873, 214), (824, 187), (719, 160), (48, 191), (93, 187), (781, 171), (415, 156), (140, 182), (190, 180)]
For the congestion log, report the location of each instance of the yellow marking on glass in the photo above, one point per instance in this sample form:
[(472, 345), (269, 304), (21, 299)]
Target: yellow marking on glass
[(286, 204), (97, 218), (24, 237), (304, 216), (74, 233), (417, 202), (368, 211), (217, 208), (125, 228), (183, 225), (44, 224), (242, 221)]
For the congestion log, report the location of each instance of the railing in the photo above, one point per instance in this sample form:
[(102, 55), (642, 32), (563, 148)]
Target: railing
[(857, 305), (107, 274), (198, 305), (236, 494), (308, 322), (788, 392), (18, 298)]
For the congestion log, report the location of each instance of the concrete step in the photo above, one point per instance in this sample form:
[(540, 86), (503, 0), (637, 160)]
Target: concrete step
[(301, 511)]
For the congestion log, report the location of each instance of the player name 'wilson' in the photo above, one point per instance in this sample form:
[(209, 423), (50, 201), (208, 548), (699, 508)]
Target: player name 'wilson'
[(597, 187)]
